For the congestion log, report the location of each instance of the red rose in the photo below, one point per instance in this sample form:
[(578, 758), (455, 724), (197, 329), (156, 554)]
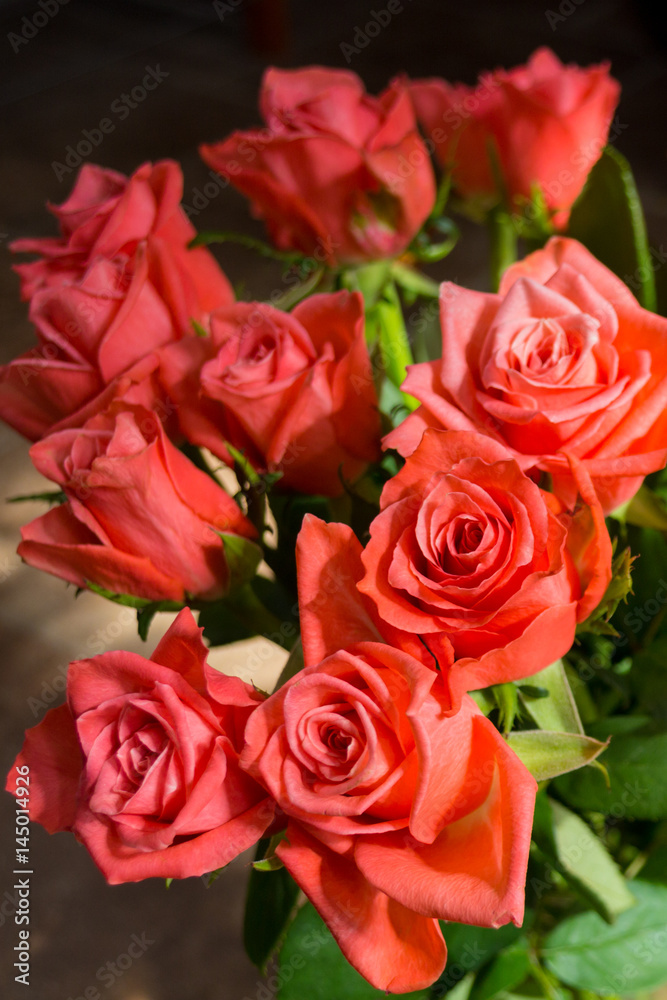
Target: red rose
[(141, 763), (139, 519), (400, 810), (548, 124), (468, 546), (294, 391), (563, 359), (336, 173), (117, 284)]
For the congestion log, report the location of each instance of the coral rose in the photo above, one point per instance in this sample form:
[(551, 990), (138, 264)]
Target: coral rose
[(139, 519), (117, 284), (547, 123), (293, 391), (562, 359), (468, 546), (400, 810), (141, 763), (336, 173)]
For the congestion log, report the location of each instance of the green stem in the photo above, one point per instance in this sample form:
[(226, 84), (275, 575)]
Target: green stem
[(503, 244)]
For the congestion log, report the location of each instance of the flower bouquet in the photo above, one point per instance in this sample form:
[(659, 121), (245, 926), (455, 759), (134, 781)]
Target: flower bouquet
[(447, 506)]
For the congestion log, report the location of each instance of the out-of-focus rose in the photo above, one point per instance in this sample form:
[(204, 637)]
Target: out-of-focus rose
[(117, 284), (468, 546), (293, 391), (547, 123), (562, 359), (139, 519), (141, 763), (400, 810), (109, 215), (336, 173)]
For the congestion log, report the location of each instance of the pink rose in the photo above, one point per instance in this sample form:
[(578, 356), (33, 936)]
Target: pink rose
[(109, 215), (469, 549), (328, 173), (548, 124), (141, 763), (139, 519), (91, 331), (562, 359), (401, 811), (119, 283), (293, 391)]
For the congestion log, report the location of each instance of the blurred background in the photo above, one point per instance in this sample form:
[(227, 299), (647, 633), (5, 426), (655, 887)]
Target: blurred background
[(63, 65)]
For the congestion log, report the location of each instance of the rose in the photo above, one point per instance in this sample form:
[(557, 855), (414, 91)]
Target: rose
[(294, 391), (141, 763), (91, 331), (563, 359), (548, 124), (400, 810), (139, 519), (468, 546), (118, 283), (109, 215), (336, 173)]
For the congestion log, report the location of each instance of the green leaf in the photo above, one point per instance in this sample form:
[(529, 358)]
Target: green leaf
[(145, 615), (243, 557), (608, 219), (506, 972), (249, 242), (414, 282), (484, 700), (312, 967), (50, 496), (386, 326), (655, 869), (585, 863), (628, 957), (240, 615), (507, 702), (270, 900), (646, 510), (558, 712), (469, 948), (130, 601), (546, 755), (617, 590), (636, 766)]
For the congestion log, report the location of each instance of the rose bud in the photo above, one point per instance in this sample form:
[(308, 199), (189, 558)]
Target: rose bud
[(336, 173), (139, 519), (547, 124)]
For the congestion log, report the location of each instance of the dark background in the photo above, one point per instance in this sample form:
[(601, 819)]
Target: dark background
[(64, 80)]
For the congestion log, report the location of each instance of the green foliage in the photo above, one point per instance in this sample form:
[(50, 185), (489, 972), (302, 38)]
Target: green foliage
[(569, 845), (609, 220), (637, 789), (546, 755), (270, 900), (624, 958)]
